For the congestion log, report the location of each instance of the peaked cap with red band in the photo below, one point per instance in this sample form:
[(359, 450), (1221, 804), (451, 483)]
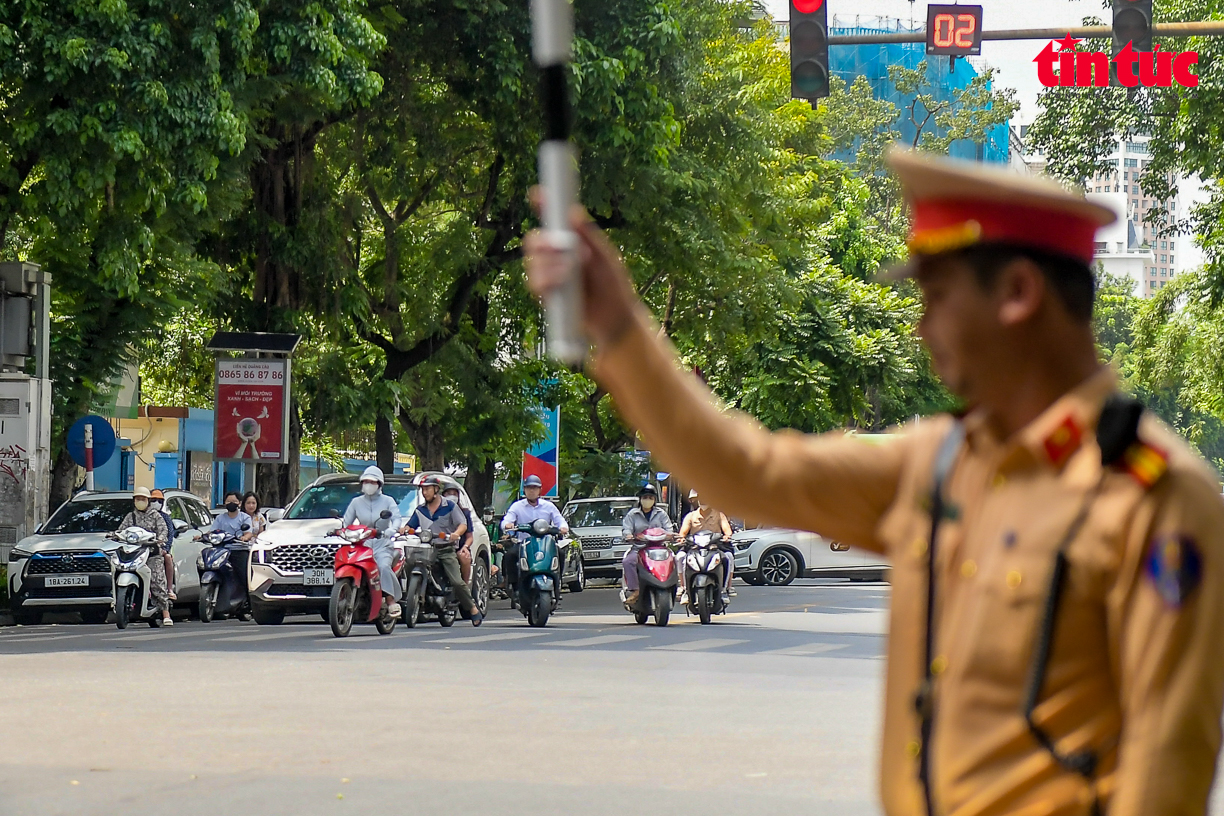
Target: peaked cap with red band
[(956, 204)]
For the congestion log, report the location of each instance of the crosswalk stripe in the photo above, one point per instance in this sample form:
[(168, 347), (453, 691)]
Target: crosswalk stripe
[(489, 638), (47, 638), (315, 631), (598, 640), (810, 649), (158, 634), (698, 645)]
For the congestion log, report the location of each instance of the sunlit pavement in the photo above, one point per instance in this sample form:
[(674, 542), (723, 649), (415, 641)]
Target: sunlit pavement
[(773, 709)]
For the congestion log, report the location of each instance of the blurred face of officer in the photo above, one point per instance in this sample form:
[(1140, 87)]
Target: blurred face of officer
[(974, 330)]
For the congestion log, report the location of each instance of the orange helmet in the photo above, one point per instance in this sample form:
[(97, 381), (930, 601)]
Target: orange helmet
[(157, 494)]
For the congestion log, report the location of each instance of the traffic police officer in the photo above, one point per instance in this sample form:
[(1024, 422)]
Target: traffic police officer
[(1057, 597)]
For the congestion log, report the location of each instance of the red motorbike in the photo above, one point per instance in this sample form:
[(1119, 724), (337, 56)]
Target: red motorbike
[(357, 592), (657, 577)]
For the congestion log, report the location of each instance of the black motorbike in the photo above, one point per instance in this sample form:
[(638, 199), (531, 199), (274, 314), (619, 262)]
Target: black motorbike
[(223, 581), (429, 593)]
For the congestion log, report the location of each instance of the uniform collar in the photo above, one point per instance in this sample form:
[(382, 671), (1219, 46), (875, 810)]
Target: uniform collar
[(1057, 434)]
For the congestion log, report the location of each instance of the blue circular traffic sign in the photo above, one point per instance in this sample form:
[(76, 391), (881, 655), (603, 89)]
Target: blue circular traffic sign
[(103, 440)]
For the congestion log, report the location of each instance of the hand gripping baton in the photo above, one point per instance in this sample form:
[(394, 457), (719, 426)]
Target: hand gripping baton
[(552, 24)]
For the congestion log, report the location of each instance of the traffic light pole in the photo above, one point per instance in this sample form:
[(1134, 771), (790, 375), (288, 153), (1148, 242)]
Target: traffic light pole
[(1206, 28)]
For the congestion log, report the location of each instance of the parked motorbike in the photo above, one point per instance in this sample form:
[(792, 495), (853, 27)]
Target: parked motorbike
[(429, 592), (704, 573), (222, 586), (657, 578), (535, 592), (130, 561), (357, 592)]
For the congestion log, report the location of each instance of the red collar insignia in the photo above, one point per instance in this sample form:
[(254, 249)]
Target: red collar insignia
[(1063, 441)]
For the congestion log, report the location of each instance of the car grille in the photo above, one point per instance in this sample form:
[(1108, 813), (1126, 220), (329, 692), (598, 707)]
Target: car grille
[(69, 592), (597, 543), (285, 590), (68, 563), (297, 557)]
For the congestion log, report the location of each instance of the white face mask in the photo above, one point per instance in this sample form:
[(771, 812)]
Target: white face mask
[(369, 488), (648, 505), (141, 504), (155, 505)]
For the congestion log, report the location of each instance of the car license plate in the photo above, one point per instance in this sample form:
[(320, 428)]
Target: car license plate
[(67, 581), (318, 577)]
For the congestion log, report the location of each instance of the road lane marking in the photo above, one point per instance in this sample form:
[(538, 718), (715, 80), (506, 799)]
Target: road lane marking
[(489, 638), (159, 634), (45, 639), (810, 649), (699, 645), (598, 640), (318, 632)]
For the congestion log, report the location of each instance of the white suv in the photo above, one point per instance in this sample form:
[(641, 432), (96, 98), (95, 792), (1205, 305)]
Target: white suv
[(292, 561)]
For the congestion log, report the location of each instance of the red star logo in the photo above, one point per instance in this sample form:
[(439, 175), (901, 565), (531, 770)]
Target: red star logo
[(1068, 43)]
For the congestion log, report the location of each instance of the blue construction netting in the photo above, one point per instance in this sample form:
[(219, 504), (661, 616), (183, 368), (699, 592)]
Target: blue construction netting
[(872, 61)]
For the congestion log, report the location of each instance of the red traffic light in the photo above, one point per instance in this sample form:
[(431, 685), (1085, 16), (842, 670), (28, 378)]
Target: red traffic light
[(808, 6)]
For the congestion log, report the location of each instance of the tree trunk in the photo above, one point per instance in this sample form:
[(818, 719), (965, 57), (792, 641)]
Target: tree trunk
[(428, 439), (479, 484), (63, 480), (384, 441)]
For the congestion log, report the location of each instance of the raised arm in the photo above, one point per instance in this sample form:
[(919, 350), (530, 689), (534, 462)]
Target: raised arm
[(835, 485)]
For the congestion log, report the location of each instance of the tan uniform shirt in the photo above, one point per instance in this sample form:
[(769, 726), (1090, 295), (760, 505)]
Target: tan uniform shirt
[(1136, 670), (709, 522)]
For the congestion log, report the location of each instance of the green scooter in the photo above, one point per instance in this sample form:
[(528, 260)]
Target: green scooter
[(534, 591)]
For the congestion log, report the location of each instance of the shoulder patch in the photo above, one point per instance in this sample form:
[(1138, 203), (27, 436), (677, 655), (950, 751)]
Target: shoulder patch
[(1174, 567), (1145, 463), (1063, 441)]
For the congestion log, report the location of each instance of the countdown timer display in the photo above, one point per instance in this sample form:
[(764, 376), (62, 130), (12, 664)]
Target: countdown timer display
[(954, 31)]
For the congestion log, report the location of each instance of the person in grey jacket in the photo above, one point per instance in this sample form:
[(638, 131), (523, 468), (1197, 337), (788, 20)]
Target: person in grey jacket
[(646, 516), (145, 517), (367, 509)]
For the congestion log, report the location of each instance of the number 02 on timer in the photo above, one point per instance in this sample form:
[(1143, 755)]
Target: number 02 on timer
[(954, 31)]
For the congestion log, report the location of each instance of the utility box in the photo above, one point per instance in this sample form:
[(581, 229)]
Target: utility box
[(25, 457)]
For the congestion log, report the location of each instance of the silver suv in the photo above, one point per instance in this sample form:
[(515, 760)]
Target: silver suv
[(597, 523)]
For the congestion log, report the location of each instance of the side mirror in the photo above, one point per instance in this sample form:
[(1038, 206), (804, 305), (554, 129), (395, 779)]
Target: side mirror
[(384, 515), (274, 514), (333, 513), (180, 526), (245, 527)]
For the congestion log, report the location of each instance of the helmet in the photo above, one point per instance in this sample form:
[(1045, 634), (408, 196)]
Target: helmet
[(141, 492), (532, 481), (648, 489), (432, 480), (157, 494)]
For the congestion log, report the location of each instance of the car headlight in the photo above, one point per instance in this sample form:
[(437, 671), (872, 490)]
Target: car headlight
[(16, 554), (744, 544)]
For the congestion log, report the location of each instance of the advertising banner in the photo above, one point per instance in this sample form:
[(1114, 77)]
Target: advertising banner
[(541, 458), (252, 411)]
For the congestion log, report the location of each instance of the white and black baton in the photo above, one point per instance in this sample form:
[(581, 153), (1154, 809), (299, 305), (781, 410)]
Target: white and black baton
[(552, 25)]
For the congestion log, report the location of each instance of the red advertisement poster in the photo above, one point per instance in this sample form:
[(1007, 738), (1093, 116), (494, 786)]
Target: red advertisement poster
[(250, 413)]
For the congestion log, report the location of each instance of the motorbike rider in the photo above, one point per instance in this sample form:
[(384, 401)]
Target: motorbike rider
[(367, 509), (526, 511), (705, 519), (157, 501), (145, 517), (464, 553), (445, 520), (231, 523), (647, 515)]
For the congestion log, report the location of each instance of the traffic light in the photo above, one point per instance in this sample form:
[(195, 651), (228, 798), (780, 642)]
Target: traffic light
[(1132, 23), (809, 48)]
